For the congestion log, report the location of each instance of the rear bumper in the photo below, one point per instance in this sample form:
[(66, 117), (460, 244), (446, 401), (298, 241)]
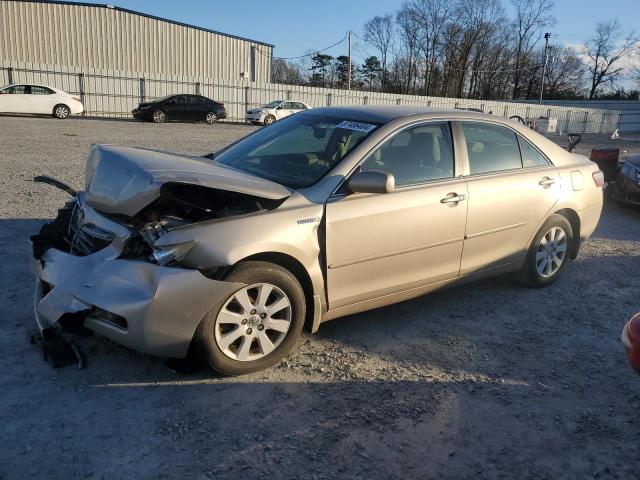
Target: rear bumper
[(76, 107), (146, 307)]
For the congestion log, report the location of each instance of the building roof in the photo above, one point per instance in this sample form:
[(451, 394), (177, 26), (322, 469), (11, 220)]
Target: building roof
[(133, 12)]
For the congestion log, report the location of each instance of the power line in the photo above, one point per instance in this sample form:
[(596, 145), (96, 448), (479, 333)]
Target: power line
[(306, 54)]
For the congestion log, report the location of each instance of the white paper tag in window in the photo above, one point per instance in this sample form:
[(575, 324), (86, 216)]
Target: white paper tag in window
[(357, 126)]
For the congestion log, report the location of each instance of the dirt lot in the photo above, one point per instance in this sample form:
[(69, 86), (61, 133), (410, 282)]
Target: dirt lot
[(489, 380)]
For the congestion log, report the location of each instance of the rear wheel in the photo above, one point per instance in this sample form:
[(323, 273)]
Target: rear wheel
[(256, 326), (159, 116), (269, 119), (211, 118), (549, 253), (61, 112)]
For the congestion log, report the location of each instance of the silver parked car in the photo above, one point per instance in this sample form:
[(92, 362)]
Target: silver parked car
[(324, 214)]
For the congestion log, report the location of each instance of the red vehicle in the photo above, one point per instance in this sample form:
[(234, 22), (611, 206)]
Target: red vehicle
[(631, 340)]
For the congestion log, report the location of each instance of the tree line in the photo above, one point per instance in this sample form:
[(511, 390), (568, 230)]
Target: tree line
[(473, 49)]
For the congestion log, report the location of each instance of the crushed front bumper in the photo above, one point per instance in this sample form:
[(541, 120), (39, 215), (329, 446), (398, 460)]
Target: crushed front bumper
[(146, 307)]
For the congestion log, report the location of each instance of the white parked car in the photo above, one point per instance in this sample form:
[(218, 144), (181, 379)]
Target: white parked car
[(275, 111), (39, 99)]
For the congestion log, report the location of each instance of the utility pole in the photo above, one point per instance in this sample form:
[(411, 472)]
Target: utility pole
[(544, 67), (349, 73)]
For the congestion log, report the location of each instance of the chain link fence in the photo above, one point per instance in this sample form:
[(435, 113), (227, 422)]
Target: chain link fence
[(113, 94)]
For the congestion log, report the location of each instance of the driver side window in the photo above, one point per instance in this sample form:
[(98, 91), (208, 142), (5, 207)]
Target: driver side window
[(419, 154)]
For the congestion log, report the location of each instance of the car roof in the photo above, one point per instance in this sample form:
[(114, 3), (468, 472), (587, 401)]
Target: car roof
[(387, 113), (31, 84)]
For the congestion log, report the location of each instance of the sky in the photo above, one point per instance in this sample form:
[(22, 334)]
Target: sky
[(297, 26)]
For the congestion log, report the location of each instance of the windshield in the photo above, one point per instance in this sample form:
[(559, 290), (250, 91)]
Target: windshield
[(273, 104), (296, 151)]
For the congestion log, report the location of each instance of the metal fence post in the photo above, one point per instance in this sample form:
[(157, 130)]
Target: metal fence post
[(506, 111), (398, 101), (81, 90), (288, 94), (10, 75), (584, 124), (602, 117), (197, 88), (365, 100), (247, 98), (328, 99), (142, 93), (566, 122)]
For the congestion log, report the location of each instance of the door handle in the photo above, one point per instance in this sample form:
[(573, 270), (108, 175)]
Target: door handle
[(546, 182), (453, 198)]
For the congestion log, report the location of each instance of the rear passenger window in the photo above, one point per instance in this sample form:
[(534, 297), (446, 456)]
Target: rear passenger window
[(419, 154), (37, 90), (531, 157), (491, 148)]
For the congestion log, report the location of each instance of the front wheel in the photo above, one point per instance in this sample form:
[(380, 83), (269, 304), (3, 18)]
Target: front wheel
[(159, 116), (549, 252), (256, 326), (61, 112), (269, 119)]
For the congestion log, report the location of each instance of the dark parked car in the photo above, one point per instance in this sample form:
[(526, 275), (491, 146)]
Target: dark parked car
[(627, 186), (192, 108)]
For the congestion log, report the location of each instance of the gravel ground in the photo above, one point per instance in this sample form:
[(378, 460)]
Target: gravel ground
[(489, 380)]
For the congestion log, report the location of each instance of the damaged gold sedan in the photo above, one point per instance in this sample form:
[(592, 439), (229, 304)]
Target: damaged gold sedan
[(324, 214)]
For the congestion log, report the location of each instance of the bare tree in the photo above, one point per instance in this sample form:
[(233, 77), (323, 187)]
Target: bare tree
[(379, 32), (432, 16), (531, 17), (409, 32), (604, 52), (565, 72), (286, 72)]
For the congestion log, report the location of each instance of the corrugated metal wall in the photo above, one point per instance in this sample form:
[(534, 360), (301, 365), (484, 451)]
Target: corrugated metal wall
[(112, 39)]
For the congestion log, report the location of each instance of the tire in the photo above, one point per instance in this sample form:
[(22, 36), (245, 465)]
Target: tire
[(211, 118), (538, 270), (158, 116), (222, 334), (269, 119), (61, 112)]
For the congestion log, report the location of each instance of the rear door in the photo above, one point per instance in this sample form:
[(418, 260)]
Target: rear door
[(380, 244), (197, 107), (41, 99), (512, 186)]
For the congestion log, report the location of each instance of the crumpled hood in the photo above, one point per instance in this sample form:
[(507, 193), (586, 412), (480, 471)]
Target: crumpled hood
[(124, 180)]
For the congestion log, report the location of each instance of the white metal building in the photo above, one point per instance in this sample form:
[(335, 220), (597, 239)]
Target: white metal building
[(108, 37)]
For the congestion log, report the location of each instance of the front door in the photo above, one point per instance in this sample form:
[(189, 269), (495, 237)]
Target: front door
[(15, 99), (379, 244), (509, 193)]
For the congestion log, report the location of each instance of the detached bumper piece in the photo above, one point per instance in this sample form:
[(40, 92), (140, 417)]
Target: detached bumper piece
[(57, 350)]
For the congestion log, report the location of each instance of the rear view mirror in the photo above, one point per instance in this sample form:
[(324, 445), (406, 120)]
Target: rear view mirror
[(373, 181)]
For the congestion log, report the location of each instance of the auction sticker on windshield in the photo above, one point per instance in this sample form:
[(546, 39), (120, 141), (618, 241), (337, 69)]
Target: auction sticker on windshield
[(357, 126)]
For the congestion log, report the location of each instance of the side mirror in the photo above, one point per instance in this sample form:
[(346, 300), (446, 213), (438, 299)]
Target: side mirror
[(373, 181)]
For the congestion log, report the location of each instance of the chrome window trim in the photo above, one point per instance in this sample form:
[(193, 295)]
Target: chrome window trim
[(457, 174)]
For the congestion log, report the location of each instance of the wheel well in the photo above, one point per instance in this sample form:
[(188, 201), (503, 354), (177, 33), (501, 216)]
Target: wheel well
[(59, 105), (298, 270), (574, 220)]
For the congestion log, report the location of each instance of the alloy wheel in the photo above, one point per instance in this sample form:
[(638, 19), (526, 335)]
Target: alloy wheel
[(253, 322), (62, 111), (551, 252), (159, 116), (211, 118)]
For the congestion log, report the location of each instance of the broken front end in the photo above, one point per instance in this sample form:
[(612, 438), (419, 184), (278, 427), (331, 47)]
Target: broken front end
[(97, 266)]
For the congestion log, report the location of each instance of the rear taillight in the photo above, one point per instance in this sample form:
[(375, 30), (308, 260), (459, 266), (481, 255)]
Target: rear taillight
[(598, 178), (76, 98)]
